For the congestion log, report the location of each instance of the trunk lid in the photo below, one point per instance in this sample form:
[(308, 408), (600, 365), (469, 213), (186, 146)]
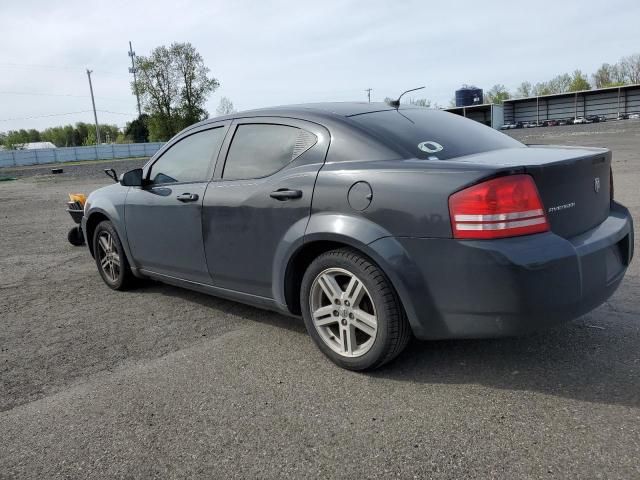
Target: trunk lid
[(573, 182)]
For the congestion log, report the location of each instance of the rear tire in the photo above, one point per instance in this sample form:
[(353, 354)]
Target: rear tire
[(110, 257), (352, 312)]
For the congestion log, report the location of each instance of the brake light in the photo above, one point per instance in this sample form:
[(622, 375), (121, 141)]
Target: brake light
[(502, 207)]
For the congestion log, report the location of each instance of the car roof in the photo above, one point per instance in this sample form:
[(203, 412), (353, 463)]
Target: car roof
[(331, 109), (343, 109)]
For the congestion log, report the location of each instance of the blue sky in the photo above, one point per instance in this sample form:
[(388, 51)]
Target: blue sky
[(279, 52)]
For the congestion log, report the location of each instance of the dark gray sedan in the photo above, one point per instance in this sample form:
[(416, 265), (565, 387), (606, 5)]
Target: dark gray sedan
[(372, 223)]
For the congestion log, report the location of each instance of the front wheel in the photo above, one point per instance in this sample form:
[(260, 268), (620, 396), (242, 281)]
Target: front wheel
[(110, 257), (352, 312)]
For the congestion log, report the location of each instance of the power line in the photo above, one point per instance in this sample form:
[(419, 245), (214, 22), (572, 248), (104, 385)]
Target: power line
[(43, 116), (44, 94), (68, 68), (62, 114), (116, 113)]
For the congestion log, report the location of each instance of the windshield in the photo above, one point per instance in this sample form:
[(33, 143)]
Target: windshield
[(433, 134)]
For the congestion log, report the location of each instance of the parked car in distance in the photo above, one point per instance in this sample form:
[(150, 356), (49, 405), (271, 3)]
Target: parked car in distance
[(565, 121), (634, 116), (550, 123), (592, 118), (372, 223), (623, 116), (602, 118), (508, 126), (519, 125), (580, 120)]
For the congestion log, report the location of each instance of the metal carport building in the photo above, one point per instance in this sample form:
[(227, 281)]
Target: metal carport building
[(488, 113), (610, 102)]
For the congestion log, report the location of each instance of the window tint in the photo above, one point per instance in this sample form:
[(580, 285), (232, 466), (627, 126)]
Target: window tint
[(190, 159), (425, 133), (258, 150)]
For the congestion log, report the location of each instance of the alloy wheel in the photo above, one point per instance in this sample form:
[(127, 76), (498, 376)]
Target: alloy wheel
[(109, 256), (343, 312)]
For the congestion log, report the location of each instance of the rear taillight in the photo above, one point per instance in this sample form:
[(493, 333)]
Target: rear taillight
[(503, 207)]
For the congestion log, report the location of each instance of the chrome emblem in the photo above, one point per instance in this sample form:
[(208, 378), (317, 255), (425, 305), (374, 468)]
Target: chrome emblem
[(557, 208), (596, 184)]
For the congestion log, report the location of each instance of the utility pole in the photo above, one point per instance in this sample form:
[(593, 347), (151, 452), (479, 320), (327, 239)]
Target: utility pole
[(133, 70), (93, 102), (368, 90)]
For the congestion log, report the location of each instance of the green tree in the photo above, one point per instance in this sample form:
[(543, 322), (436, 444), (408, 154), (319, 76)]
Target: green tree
[(579, 82), (496, 94), (174, 85), (560, 83), (34, 135), (420, 102), (608, 76), (109, 133), (195, 86), (15, 139), (91, 138), (137, 130), (524, 90), (225, 107), (630, 68)]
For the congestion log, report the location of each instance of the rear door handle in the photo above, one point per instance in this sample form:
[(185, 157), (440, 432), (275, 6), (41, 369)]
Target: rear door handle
[(286, 194), (188, 197)]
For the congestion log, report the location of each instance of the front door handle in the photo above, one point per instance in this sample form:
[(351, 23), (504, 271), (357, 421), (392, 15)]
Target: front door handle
[(286, 194), (188, 197)]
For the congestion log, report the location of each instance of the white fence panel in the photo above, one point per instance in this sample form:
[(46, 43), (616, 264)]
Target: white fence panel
[(18, 158)]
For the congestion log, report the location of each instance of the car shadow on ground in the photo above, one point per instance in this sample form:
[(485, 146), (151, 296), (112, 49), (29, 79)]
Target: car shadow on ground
[(577, 360), (228, 307)]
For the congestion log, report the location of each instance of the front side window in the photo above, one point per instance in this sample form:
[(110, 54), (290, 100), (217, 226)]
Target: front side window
[(190, 159), (261, 149)]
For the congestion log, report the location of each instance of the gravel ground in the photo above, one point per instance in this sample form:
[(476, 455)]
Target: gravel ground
[(79, 170), (161, 382)]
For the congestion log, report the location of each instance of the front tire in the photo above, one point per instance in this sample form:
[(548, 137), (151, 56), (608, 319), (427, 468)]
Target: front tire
[(110, 257), (352, 312)]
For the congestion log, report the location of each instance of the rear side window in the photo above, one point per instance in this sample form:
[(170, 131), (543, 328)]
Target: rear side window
[(261, 149), (190, 159), (432, 134)]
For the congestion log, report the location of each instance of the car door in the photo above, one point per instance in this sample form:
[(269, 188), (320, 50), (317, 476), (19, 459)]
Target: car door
[(260, 192), (164, 217)]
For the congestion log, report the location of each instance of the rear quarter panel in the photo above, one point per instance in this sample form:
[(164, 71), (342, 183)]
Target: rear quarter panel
[(409, 197)]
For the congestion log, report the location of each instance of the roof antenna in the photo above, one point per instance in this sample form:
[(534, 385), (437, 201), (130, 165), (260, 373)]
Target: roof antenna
[(396, 103)]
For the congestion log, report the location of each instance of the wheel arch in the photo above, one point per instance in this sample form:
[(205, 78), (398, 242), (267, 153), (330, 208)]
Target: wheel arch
[(91, 223), (387, 254), (298, 264), (97, 215), (310, 250)]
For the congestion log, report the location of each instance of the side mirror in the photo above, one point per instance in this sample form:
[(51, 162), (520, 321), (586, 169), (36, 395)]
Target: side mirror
[(133, 178)]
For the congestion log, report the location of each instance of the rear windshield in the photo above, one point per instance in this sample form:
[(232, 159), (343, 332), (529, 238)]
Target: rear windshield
[(433, 134)]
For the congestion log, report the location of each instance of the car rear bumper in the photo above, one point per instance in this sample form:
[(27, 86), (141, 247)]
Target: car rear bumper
[(488, 288)]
